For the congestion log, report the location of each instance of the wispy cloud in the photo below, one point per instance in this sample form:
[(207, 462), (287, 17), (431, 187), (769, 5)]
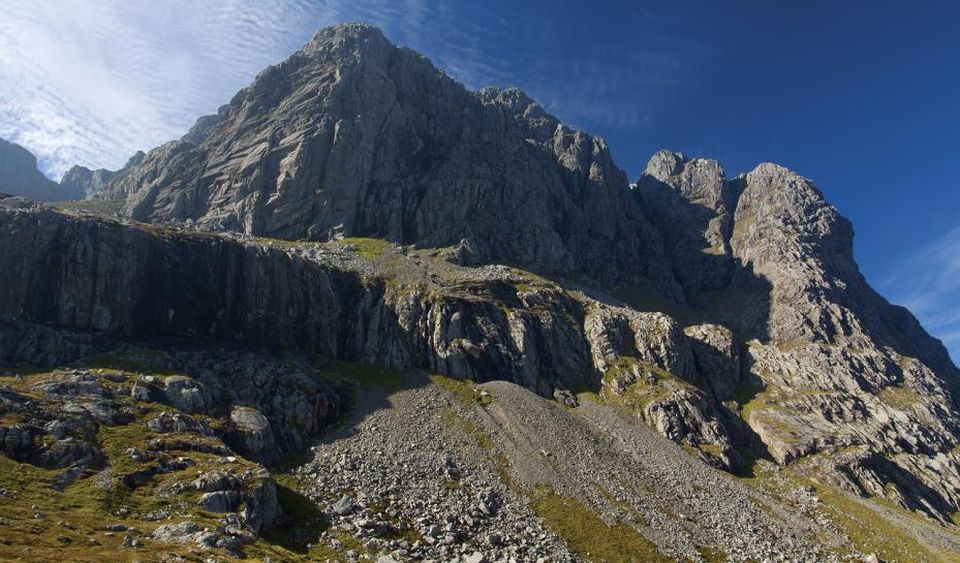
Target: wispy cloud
[(929, 285), (92, 81)]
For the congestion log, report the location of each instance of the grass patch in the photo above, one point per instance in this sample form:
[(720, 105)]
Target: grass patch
[(71, 526), (462, 390), (905, 362), (902, 398), (450, 484), (368, 248), (870, 532), (285, 244), (711, 555), (749, 387), (125, 363), (450, 418), (867, 528), (588, 536), (752, 395), (652, 384), (368, 375), (105, 207)]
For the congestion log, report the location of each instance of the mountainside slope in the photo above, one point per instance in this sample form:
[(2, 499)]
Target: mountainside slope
[(356, 204)]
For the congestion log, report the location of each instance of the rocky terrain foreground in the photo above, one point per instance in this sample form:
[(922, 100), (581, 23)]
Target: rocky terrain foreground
[(364, 313)]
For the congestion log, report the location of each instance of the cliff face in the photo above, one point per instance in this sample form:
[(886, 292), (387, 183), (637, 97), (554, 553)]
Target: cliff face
[(82, 180), (829, 364), (401, 309), (745, 326), (404, 308)]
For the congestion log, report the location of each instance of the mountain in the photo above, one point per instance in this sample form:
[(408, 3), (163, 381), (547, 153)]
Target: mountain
[(353, 135), (82, 180), (470, 336), (19, 176)]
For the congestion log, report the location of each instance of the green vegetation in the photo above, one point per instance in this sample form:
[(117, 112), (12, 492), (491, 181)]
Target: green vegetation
[(462, 390), (624, 506), (588, 536), (301, 524), (899, 397), (119, 363), (869, 531), (368, 248), (868, 528), (653, 384), (450, 418), (367, 376), (79, 507), (905, 362), (711, 555), (749, 387), (743, 225), (104, 207), (791, 345), (71, 521), (283, 243), (450, 484)]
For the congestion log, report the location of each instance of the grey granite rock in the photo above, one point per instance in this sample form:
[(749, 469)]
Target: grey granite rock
[(383, 144), (254, 434), (82, 181)]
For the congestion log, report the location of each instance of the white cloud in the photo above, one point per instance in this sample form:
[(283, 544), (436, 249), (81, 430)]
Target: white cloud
[(929, 285), (92, 81)]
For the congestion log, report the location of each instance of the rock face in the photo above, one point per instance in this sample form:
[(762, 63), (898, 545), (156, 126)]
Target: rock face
[(82, 180), (85, 182), (354, 136), (754, 329), (19, 176), (831, 364)]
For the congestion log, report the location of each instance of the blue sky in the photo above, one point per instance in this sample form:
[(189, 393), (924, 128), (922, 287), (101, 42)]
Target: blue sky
[(863, 97)]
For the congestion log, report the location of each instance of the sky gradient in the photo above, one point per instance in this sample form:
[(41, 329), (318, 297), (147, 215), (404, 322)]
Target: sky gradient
[(862, 97)]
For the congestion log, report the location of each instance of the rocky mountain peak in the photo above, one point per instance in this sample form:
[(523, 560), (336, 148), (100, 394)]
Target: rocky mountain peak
[(82, 180), (664, 164), (19, 175), (353, 136), (347, 38), (789, 205)]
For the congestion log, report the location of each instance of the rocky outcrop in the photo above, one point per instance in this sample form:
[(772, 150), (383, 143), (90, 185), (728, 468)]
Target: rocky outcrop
[(82, 180), (118, 280), (253, 434), (692, 203), (840, 366), (20, 176), (829, 364), (648, 365), (85, 182), (798, 395)]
